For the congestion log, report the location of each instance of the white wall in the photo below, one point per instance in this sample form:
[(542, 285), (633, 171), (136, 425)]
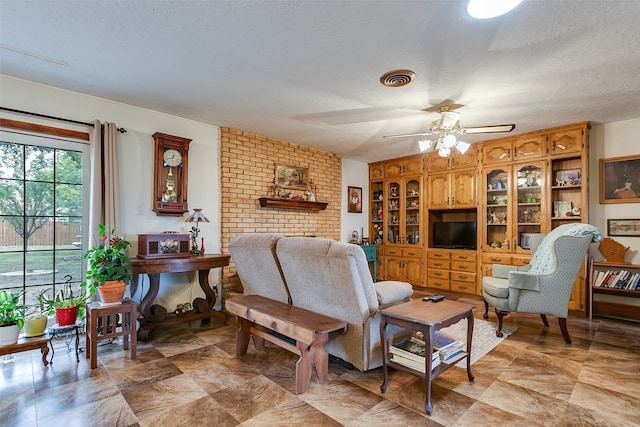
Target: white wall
[(354, 174), (606, 141), (136, 169)]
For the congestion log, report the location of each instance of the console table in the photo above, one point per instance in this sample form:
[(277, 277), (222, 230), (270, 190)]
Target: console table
[(154, 315)]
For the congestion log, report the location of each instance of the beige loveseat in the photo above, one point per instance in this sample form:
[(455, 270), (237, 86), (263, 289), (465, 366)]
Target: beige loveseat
[(324, 276)]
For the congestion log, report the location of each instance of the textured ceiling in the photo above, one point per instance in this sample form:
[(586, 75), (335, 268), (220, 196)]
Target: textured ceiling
[(307, 72)]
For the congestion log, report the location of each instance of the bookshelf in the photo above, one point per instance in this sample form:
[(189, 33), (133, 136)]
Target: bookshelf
[(610, 301)]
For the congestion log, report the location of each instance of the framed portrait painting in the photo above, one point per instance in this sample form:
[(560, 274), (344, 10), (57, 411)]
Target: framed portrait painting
[(620, 179), (354, 203)]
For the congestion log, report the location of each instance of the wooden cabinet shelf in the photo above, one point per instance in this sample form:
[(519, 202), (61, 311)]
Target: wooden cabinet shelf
[(302, 205)]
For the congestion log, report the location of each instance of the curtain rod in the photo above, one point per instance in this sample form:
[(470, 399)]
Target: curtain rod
[(121, 130)]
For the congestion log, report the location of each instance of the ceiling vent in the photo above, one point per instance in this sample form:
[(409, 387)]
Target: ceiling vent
[(397, 78)]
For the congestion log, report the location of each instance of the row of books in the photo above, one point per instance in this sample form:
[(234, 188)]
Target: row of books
[(617, 279), (411, 353)]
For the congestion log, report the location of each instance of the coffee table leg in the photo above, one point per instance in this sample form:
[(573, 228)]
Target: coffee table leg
[(383, 342), (428, 339), (469, 338)]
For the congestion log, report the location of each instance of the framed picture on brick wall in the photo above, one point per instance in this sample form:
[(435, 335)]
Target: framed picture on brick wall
[(292, 177)]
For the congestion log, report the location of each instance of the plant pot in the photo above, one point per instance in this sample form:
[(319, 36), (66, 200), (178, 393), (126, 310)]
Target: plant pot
[(34, 326), (66, 316), (112, 292), (9, 334)]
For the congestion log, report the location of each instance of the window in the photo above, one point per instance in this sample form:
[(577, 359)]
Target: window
[(43, 205)]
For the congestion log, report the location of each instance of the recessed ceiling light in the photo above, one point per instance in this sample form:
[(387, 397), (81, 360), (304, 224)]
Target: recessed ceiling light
[(487, 9)]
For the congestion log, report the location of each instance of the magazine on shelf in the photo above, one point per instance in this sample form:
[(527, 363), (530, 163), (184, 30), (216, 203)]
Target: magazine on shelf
[(452, 352), (413, 364)]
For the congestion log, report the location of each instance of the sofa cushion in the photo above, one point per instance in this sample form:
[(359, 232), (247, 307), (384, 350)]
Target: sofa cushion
[(392, 292)]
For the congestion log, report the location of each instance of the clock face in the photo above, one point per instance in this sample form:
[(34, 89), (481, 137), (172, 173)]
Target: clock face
[(172, 157)]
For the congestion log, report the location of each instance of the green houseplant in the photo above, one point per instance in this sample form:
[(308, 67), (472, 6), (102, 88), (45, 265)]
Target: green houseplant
[(109, 269), (35, 324), (12, 314), (65, 305)]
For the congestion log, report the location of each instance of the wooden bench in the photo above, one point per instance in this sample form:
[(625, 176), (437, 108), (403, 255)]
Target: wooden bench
[(258, 315), (26, 344)]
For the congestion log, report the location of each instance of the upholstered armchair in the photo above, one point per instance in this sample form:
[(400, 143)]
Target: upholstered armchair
[(544, 286)]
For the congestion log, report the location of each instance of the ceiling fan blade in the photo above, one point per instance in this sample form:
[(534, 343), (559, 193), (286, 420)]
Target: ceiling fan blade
[(489, 129), (407, 134)]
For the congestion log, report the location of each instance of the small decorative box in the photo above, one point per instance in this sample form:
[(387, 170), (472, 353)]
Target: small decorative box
[(163, 245)]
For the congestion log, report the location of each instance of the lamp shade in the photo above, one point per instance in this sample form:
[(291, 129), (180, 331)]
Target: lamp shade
[(197, 216)]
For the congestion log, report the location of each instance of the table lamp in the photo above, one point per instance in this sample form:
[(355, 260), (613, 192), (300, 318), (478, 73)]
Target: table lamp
[(197, 216)]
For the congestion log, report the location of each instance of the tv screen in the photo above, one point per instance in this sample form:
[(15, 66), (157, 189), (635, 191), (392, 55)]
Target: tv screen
[(454, 235)]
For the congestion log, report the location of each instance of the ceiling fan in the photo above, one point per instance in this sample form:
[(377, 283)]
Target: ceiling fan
[(445, 130)]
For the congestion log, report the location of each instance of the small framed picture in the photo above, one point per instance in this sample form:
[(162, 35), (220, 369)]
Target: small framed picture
[(561, 208), (623, 227), (354, 203), (525, 240), (568, 177)]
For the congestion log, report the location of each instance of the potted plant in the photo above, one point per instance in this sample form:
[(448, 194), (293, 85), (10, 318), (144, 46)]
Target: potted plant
[(109, 269), (36, 323), (65, 305), (11, 317)]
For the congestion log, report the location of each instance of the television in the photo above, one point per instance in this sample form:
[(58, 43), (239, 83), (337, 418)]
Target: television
[(454, 235)]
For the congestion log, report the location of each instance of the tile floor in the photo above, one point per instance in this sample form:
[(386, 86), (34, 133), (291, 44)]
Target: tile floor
[(189, 376)]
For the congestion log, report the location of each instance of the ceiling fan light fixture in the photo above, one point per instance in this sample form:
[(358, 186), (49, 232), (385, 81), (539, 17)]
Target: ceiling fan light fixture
[(462, 146), (444, 152), (449, 141), (425, 144), (449, 119), (487, 9)]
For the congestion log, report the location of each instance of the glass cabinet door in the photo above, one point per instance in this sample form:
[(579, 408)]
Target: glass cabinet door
[(528, 203), (376, 229), (412, 212), (497, 236), (392, 219)]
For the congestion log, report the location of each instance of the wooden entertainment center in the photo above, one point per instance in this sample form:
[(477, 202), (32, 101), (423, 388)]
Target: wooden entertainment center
[(511, 187)]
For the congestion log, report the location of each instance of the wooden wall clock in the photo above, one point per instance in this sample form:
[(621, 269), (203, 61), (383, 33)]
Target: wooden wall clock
[(170, 174)]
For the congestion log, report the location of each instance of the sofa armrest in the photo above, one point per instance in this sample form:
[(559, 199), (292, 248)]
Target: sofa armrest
[(392, 292)]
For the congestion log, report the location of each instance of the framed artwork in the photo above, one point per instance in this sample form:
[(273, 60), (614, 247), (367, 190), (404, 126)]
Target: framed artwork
[(623, 227), (525, 240), (568, 177), (354, 204), (292, 177), (620, 179)]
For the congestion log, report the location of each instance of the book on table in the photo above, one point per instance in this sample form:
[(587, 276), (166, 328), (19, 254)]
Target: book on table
[(414, 364), (411, 352)]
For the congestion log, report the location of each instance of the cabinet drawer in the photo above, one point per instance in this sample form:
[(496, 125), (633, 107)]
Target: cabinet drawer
[(438, 254), (463, 277), (438, 274), (463, 266), (414, 253), (438, 264), (496, 259), (393, 252), (466, 287), (437, 283), (464, 257), (519, 261)]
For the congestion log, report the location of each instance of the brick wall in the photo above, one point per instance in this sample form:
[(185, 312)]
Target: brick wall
[(247, 170)]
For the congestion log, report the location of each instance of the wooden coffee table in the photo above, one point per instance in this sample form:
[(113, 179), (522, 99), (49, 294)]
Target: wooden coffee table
[(426, 317)]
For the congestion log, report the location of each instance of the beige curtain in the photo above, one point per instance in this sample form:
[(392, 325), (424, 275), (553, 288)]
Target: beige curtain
[(104, 199)]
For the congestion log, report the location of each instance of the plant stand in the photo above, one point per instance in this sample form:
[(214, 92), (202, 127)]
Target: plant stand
[(109, 327), (25, 344), (66, 331)]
